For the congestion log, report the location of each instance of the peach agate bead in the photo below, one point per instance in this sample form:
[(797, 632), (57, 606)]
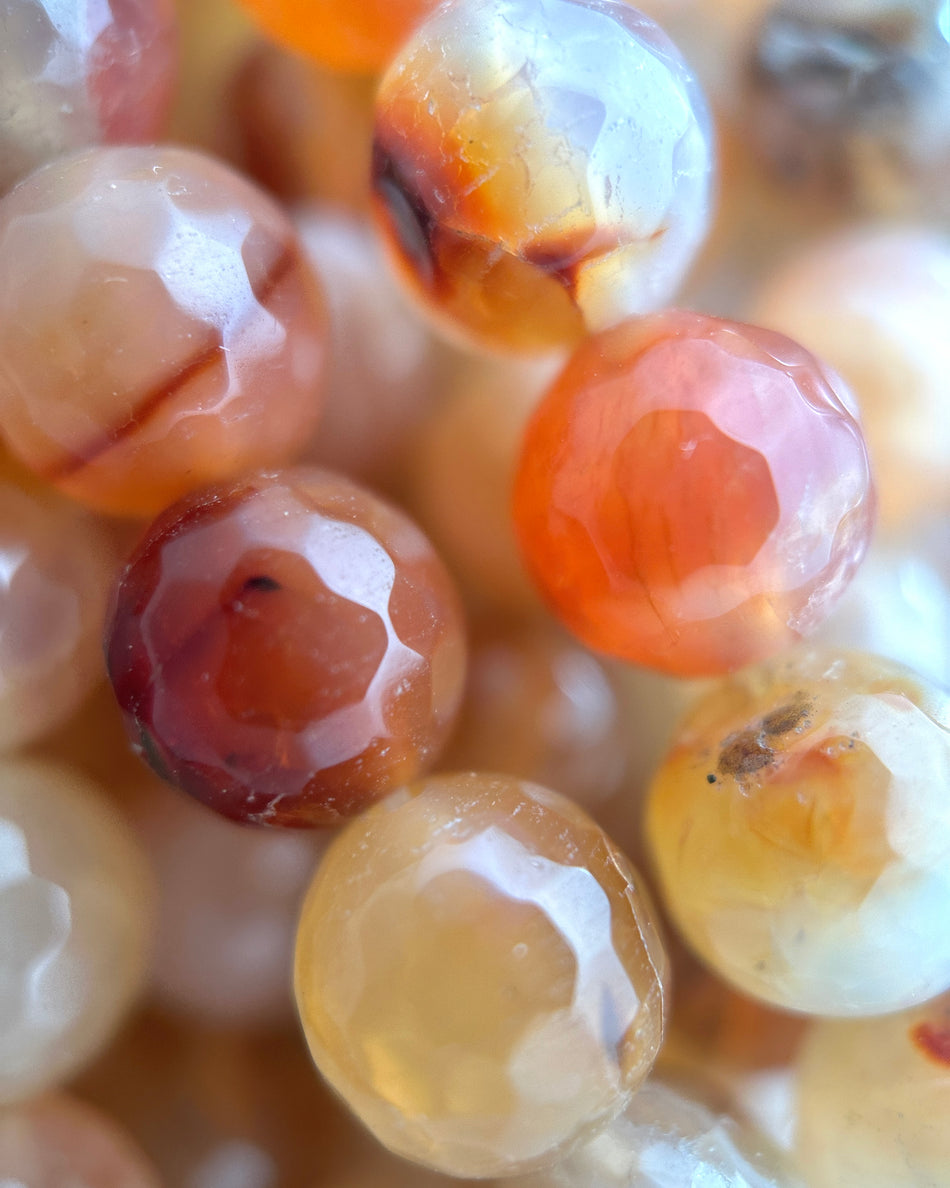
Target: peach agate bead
[(286, 648), (541, 168), (159, 328), (81, 73), (75, 919), (801, 833), (693, 494), (478, 974), (61, 1142)]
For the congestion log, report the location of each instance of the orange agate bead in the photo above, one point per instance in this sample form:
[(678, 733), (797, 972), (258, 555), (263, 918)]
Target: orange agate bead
[(693, 494), (359, 37)]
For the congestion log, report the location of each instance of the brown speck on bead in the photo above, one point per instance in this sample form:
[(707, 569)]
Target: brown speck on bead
[(744, 754), (933, 1041)]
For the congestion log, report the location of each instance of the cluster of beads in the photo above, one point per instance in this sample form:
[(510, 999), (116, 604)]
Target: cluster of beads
[(420, 789)]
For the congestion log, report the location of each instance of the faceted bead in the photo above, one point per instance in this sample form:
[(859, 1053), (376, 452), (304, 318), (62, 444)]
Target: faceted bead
[(60, 1142), (87, 72), (873, 1101), (345, 36), (693, 494), (874, 303), (801, 833), (56, 571), (479, 975), (539, 707), (286, 648), (227, 906), (74, 897), (666, 1137), (382, 368), (159, 328), (544, 181), (849, 101)]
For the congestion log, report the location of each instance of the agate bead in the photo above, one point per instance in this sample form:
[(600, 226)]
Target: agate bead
[(478, 974), (74, 918), (874, 303), (668, 1138), (849, 100), (56, 571), (873, 1101), (801, 833), (541, 168), (693, 494), (81, 73), (359, 37), (286, 648), (60, 1142), (159, 328)]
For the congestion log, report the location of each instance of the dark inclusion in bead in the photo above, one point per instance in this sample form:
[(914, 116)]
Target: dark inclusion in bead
[(286, 649)]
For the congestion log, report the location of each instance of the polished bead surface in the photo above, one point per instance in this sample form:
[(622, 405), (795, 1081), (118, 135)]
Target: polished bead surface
[(873, 1101), (693, 494), (352, 37), (382, 368), (81, 72), (874, 303), (668, 1138), (541, 168), (74, 918), (478, 974), (56, 571), (159, 328), (286, 648), (539, 707), (227, 906), (801, 833), (60, 1142)]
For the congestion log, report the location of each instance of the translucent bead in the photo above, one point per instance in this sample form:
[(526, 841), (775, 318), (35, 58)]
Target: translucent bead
[(303, 132), (359, 37), (56, 570), (801, 834), (545, 180), (874, 303), (849, 100), (666, 1138), (81, 73), (74, 919), (693, 494), (382, 367), (539, 707), (60, 1142), (287, 648), (478, 975), (873, 1101), (461, 473), (159, 328), (227, 908)]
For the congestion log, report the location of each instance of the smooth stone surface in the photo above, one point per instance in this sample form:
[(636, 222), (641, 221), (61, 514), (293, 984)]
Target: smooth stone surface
[(873, 1101), (287, 648), (545, 179), (801, 833), (693, 494), (81, 72), (159, 327), (61, 1142), (479, 975), (75, 920)]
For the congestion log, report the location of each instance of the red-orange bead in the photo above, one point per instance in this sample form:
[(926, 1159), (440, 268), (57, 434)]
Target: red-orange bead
[(693, 494), (287, 648)]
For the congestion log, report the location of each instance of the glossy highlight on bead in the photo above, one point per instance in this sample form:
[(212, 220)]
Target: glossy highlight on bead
[(286, 648)]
